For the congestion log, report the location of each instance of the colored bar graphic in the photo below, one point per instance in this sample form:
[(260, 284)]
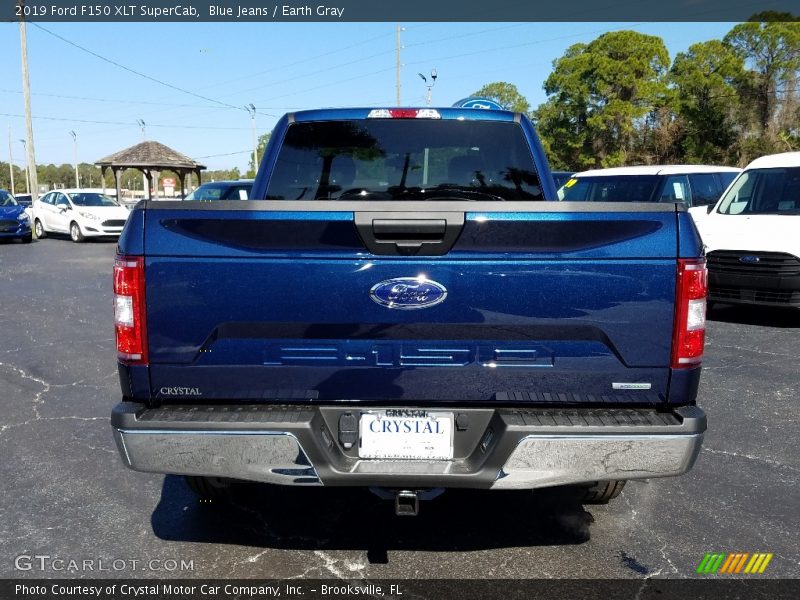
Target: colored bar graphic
[(717, 563), (733, 563), (764, 564), (741, 562), (732, 558)]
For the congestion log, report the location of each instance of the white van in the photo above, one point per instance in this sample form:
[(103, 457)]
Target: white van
[(752, 236)]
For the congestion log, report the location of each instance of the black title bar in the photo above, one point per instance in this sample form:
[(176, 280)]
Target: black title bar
[(266, 11), (751, 588)]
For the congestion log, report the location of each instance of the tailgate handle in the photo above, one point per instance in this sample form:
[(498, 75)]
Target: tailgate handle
[(409, 230), (403, 233)]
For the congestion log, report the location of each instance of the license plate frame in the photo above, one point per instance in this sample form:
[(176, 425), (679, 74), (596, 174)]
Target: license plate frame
[(406, 434)]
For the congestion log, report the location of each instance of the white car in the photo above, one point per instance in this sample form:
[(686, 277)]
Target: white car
[(752, 235), (81, 213), (694, 185)]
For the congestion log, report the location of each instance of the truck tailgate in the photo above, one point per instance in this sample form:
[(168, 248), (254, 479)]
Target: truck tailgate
[(536, 302)]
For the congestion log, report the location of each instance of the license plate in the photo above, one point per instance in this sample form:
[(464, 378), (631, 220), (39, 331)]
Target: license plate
[(406, 434)]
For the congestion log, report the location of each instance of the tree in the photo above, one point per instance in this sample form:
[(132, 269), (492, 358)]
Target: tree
[(769, 44), (600, 94), (263, 139), (705, 79), (505, 94), (19, 178)]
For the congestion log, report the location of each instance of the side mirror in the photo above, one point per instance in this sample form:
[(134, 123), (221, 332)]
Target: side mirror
[(63, 207)]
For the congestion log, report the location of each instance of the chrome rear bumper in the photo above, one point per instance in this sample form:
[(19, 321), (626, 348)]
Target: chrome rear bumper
[(299, 447), (542, 461), (269, 456)]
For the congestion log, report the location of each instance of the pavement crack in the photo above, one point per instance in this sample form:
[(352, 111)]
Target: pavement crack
[(662, 550), (330, 565), (254, 558), (768, 461), (755, 350), (37, 399), (38, 419)]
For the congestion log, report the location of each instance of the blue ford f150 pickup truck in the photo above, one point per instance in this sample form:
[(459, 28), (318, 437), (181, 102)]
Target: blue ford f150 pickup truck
[(401, 306)]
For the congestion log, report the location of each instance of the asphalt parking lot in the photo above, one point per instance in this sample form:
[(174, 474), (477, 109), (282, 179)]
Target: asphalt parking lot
[(68, 496)]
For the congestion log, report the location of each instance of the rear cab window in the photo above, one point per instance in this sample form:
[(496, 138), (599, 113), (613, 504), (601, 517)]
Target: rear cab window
[(404, 159), (610, 188), (676, 189), (705, 189)]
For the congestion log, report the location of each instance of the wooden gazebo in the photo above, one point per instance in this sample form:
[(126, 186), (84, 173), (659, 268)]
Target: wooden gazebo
[(150, 158)]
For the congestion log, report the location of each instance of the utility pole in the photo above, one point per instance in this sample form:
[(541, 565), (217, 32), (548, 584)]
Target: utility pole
[(252, 110), (27, 169), (398, 64), (145, 183), (33, 187), (10, 161), (75, 155)]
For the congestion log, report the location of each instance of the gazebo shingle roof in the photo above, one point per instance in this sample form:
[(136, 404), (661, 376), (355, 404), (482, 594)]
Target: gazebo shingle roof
[(149, 154), (150, 158)]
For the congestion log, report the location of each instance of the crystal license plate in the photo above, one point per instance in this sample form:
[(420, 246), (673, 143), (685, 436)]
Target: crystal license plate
[(406, 434)]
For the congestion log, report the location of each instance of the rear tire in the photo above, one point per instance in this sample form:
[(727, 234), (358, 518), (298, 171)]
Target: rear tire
[(75, 233), (38, 228), (603, 491), (210, 488)]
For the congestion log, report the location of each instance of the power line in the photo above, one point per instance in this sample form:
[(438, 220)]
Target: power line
[(317, 87), (135, 72), (124, 123), (304, 60), (224, 154), (110, 100), (318, 72), (463, 35)]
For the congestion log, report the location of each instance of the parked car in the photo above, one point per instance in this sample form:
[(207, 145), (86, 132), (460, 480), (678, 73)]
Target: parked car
[(80, 213), (26, 201), (751, 235), (694, 185), (561, 177), (238, 189), (15, 223)]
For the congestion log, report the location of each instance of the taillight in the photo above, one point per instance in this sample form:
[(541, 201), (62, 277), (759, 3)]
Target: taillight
[(129, 322), (404, 113), (689, 329)]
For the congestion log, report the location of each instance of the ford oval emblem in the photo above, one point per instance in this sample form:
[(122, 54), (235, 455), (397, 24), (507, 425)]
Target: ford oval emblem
[(408, 293), (749, 259)]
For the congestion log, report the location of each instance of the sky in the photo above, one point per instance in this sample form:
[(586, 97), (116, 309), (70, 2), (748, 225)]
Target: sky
[(123, 72)]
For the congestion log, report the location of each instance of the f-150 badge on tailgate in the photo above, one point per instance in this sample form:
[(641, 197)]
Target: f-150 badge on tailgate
[(408, 293)]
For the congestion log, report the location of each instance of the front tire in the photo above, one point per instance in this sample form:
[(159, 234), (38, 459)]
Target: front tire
[(75, 233), (27, 239), (38, 228)]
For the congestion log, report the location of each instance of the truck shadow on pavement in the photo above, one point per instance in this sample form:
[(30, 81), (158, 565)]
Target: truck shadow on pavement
[(764, 316), (354, 519)]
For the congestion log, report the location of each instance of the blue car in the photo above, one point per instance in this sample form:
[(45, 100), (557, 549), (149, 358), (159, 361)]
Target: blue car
[(14, 221)]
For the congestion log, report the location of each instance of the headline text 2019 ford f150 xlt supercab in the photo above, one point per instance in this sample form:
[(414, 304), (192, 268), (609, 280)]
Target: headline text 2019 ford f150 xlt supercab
[(402, 306)]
